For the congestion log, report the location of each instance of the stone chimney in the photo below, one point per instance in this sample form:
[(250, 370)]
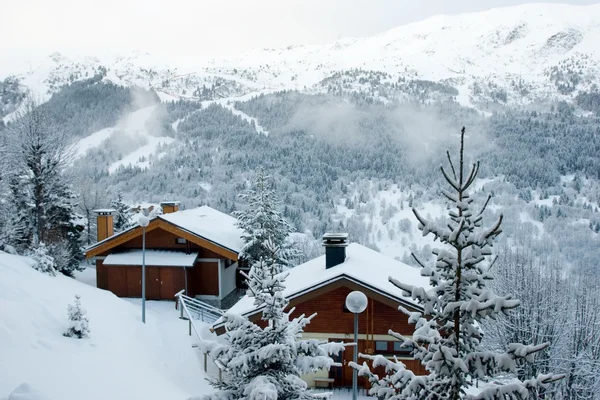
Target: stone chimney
[(169, 206), (104, 225), (335, 248)]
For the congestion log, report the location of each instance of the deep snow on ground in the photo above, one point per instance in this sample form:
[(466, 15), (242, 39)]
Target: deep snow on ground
[(123, 358)]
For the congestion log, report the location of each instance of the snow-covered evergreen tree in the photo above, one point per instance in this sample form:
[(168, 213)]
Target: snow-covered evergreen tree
[(448, 331), (263, 222), (265, 360), (78, 321), (123, 214), (44, 262), (43, 205)]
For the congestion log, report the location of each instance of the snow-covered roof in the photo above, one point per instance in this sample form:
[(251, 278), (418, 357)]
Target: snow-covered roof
[(210, 224), (158, 258), (204, 221), (362, 265)]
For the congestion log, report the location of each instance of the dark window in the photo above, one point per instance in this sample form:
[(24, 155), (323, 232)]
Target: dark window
[(346, 309), (381, 346), (181, 241), (398, 349)]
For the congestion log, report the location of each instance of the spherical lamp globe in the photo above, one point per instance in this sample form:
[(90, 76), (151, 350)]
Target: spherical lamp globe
[(143, 221), (356, 302)]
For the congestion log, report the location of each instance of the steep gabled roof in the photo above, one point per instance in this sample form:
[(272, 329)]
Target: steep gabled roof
[(210, 224), (363, 266), (204, 226)]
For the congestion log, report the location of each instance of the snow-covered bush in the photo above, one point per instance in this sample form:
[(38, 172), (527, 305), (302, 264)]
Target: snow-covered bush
[(78, 321), (448, 332), (44, 262)]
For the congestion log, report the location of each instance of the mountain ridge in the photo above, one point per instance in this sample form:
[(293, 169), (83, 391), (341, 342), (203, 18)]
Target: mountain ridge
[(512, 55)]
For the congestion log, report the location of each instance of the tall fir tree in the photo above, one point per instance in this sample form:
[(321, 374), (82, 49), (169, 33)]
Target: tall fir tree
[(262, 223), (123, 214), (448, 330), (265, 360), (43, 205)]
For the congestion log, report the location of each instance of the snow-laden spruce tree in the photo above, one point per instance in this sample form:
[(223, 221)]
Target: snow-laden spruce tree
[(78, 321), (123, 214), (43, 205), (447, 332), (263, 222), (264, 360)]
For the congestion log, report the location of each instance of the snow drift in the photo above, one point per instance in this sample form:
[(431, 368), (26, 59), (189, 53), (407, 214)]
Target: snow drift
[(122, 359)]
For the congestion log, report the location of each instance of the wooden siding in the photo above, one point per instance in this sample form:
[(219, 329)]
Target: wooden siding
[(101, 275), (204, 279), (331, 317)]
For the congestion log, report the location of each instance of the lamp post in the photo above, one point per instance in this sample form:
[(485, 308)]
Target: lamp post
[(143, 221), (356, 302)]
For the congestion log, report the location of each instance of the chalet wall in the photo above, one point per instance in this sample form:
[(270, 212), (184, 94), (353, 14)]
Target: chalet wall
[(101, 275), (203, 279), (228, 282), (332, 318), (333, 323)]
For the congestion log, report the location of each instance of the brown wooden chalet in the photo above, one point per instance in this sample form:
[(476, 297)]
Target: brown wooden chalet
[(195, 250), (321, 286)]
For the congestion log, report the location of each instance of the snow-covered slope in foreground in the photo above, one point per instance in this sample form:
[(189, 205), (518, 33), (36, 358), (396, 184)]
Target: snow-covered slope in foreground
[(123, 358)]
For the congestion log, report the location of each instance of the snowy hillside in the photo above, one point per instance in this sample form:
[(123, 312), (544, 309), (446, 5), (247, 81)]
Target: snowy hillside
[(123, 358), (509, 55), (135, 137)]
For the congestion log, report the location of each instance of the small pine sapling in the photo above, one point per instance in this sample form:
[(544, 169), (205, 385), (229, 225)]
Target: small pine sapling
[(78, 321), (448, 330)]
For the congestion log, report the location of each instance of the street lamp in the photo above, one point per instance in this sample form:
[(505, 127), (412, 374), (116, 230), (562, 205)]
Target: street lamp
[(143, 221), (356, 302)]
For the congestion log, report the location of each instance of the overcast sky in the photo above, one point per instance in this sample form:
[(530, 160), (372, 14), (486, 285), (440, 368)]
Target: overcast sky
[(212, 27)]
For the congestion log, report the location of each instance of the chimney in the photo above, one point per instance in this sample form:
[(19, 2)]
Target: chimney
[(335, 248), (104, 223), (169, 206)]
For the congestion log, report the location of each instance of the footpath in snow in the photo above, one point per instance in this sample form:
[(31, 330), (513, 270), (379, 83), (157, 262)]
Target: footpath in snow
[(122, 359)]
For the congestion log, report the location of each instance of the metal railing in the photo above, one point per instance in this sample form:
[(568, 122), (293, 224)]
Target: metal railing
[(197, 310)]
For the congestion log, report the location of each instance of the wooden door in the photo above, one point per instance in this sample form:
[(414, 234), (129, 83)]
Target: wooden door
[(134, 282), (342, 375), (152, 283), (206, 278), (167, 283), (117, 280), (172, 280)]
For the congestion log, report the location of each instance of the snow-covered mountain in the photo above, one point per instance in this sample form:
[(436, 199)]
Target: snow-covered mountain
[(514, 55)]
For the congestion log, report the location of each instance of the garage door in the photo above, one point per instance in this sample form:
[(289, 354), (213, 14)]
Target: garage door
[(172, 281), (117, 281), (161, 282)]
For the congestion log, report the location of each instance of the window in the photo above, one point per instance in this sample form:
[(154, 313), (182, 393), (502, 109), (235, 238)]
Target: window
[(398, 349), (346, 309), (181, 241), (381, 346)]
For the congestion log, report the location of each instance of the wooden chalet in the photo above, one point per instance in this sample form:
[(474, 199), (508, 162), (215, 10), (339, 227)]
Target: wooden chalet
[(321, 286), (195, 250)]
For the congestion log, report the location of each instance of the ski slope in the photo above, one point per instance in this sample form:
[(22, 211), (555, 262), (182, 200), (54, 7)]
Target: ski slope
[(122, 359), (140, 126)]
